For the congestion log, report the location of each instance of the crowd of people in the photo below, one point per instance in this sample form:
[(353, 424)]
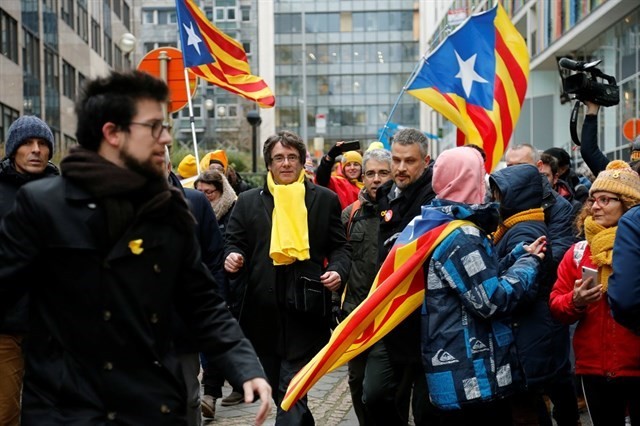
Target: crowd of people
[(119, 285)]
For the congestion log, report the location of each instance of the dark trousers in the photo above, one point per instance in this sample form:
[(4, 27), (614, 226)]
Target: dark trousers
[(356, 376), (212, 378), (609, 399), (387, 388), (279, 373)]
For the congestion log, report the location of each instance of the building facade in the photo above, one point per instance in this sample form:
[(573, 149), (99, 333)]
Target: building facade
[(340, 67), (48, 48), (587, 30)]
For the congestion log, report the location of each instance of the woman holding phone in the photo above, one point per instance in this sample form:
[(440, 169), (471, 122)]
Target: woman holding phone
[(607, 354)]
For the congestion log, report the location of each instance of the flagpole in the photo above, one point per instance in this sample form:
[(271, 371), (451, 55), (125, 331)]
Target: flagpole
[(192, 120), (412, 76)]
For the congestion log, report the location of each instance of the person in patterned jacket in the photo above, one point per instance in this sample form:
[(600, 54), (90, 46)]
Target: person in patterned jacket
[(468, 348)]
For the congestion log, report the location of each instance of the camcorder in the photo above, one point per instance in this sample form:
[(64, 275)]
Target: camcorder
[(585, 86)]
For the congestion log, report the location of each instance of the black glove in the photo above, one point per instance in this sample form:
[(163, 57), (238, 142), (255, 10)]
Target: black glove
[(334, 152)]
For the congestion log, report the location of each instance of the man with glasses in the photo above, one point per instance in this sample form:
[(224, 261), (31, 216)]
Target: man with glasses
[(288, 241), (102, 241), (361, 220)]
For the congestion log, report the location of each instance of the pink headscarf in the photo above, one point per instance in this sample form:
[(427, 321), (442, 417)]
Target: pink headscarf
[(458, 175)]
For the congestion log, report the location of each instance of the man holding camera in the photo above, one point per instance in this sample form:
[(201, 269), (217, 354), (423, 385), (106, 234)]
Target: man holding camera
[(347, 182)]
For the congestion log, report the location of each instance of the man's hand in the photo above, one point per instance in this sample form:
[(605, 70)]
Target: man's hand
[(592, 109), (261, 387), (233, 262), (331, 280)]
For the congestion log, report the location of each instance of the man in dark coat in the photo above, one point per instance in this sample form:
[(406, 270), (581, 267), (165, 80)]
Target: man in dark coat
[(102, 240), (394, 364), (28, 149), (287, 237)]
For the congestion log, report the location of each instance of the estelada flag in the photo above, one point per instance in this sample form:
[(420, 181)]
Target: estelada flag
[(477, 78), (214, 56), (396, 292)]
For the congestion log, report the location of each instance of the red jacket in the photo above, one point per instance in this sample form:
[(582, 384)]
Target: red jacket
[(347, 191), (601, 345)]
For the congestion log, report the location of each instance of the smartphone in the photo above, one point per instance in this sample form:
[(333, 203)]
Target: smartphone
[(590, 273), (350, 146)]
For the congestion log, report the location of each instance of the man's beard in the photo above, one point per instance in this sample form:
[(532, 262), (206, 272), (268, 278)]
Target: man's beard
[(146, 168)]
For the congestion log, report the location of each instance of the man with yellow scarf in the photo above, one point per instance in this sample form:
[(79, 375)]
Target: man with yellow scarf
[(607, 354), (287, 243)]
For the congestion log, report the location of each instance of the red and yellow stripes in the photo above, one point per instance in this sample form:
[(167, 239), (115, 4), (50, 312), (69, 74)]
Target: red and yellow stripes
[(489, 128), (397, 291), (230, 70)]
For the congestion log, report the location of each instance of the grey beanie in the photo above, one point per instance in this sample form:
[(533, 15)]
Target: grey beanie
[(26, 127)]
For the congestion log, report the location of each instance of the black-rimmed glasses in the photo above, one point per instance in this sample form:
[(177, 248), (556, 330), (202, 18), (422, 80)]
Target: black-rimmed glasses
[(156, 127)]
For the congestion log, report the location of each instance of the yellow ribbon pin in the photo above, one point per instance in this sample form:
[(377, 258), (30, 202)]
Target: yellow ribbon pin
[(136, 246)]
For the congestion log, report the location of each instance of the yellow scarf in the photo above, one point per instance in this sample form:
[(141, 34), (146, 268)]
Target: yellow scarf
[(536, 214), (289, 229), (600, 241)]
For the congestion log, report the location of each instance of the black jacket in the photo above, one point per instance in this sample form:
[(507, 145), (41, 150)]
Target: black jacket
[(14, 319), (403, 342), (101, 343), (272, 329), (542, 342)]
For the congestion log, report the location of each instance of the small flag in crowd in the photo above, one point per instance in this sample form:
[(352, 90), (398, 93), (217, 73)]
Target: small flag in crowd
[(477, 78), (396, 292), (214, 56)]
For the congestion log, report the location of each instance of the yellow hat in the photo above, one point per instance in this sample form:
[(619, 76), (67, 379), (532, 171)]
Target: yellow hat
[(352, 157), (217, 156), (187, 167), (375, 145), (619, 179)]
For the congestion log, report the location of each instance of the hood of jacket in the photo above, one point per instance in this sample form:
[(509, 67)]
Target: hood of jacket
[(485, 216), (520, 188)]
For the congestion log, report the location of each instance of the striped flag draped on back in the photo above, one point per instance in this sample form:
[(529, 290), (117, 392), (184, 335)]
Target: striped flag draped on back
[(397, 291), (477, 78), (214, 56)]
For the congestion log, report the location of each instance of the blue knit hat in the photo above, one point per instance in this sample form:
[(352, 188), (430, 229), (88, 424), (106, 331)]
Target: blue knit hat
[(26, 127)]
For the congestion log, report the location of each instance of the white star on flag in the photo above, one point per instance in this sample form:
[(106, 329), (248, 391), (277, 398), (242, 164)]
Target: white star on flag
[(467, 73), (193, 39)]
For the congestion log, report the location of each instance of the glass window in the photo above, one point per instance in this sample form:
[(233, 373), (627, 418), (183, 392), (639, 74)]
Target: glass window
[(68, 80), (288, 54), (95, 36), (66, 12), (82, 26), (8, 36), (51, 75), (246, 45), (108, 50), (245, 13), (31, 54), (126, 15), (117, 8), (148, 16), (166, 17), (288, 23), (7, 116)]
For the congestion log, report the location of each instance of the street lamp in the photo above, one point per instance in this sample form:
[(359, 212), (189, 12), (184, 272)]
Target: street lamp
[(220, 112), (253, 117)]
